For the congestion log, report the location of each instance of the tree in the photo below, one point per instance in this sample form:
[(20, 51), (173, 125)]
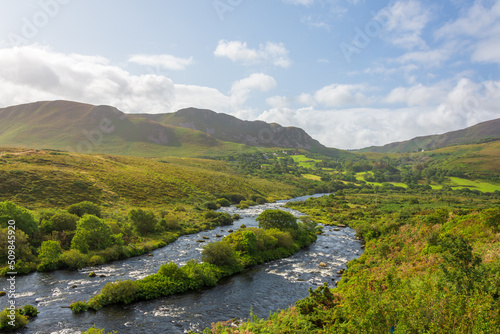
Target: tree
[(86, 207), (64, 222), (24, 219), (50, 253), (275, 218), (91, 234), (219, 253), (143, 221)]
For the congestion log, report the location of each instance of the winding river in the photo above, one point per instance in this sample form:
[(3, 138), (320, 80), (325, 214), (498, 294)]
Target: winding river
[(265, 288)]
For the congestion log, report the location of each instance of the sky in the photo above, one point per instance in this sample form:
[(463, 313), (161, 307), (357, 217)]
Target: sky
[(352, 73)]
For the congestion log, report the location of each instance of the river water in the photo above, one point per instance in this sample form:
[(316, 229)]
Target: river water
[(266, 288)]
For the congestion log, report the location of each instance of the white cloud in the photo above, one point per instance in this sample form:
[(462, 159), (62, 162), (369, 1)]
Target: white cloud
[(336, 95), (34, 73), (299, 2), (167, 62), (237, 51), (241, 89), (404, 22), (478, 28)]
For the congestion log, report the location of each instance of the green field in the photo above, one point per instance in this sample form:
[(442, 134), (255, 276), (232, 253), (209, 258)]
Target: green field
[(304, 161), (457, 182)]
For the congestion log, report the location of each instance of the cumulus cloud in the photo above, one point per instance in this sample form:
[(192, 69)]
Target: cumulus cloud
[(241, 89), (336, 95), (479, 28), (35, 73), (167, 62), (237, 51), (404, 22), (404, 113)]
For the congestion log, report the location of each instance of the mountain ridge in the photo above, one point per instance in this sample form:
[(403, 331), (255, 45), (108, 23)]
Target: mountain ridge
[(484, 131), (85, 128)]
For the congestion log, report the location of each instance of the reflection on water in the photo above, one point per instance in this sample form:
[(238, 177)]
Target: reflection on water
[(266, 288)]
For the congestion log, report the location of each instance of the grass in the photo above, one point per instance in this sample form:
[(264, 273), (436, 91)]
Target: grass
[(46, 178), (311, 177), (361, 177), (304, 161), (474, 184)]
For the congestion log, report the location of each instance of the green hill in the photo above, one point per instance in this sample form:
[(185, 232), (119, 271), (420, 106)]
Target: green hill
[(84, 128), (485, 131), (46, 178), (253, 133)]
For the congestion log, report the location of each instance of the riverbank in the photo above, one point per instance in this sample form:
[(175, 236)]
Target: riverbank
[(240, 250)]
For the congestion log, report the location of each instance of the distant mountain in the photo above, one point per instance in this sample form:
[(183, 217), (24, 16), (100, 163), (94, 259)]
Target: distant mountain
[(86, 128), (231, 129), (478, 133)]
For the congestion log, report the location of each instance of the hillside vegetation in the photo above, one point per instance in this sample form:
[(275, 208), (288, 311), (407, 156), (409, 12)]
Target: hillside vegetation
[(478, 133)]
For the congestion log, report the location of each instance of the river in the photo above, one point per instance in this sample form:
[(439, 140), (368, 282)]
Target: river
[(266, 288)]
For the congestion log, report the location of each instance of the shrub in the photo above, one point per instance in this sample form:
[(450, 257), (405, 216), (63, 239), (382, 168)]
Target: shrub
[(219, 253), (275, 218), (50, 253), (6, 321), (29, 311), (210, 205), (143, 221), (96, 260), (25, 220), (64, 221), (91, 234), (202, 274), (172, 271), (79, 307), (283, 239), (74, 259), (120, 292), (243, 241), (94, 330), (223, 202), (86, 207)]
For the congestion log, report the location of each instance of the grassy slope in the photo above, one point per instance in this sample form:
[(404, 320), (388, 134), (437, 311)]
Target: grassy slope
[(48, 179), (399, 281)]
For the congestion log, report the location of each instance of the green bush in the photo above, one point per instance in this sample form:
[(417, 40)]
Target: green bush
[(91, 233), (79, 307), (29, 311), (143, 221), (275, 218), (12, 320), (172, 271), (86, 207), (94, 330), (64, 221), (223, 202), (96, 260), (25, 220), (50, 254), (124, 292), (220, 254), (74, 259)]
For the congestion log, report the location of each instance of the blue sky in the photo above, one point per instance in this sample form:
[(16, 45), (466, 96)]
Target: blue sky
[(352, 73)]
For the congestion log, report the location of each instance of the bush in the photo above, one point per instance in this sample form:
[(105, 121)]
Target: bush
[(119, 292), (210, 206), (96, 260), (25, 220), (64, 222), (171, 270), (219, 218), (143, 221), (94, 330), (86, 207), (219, 253), (79, 307), (74, 259), (243, 241), (12, 320), (202, 274), (275, 218), (29, 311), (50, 253), (91, 234), (223, 202)]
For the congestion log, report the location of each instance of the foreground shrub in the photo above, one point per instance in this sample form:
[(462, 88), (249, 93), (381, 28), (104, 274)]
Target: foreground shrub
[(78, 307), (29, 311), (220, 254), (12, 319), (86, 207), (120, 292)]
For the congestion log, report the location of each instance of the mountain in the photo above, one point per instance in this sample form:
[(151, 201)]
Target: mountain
[(482, 132), (85, 128)]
